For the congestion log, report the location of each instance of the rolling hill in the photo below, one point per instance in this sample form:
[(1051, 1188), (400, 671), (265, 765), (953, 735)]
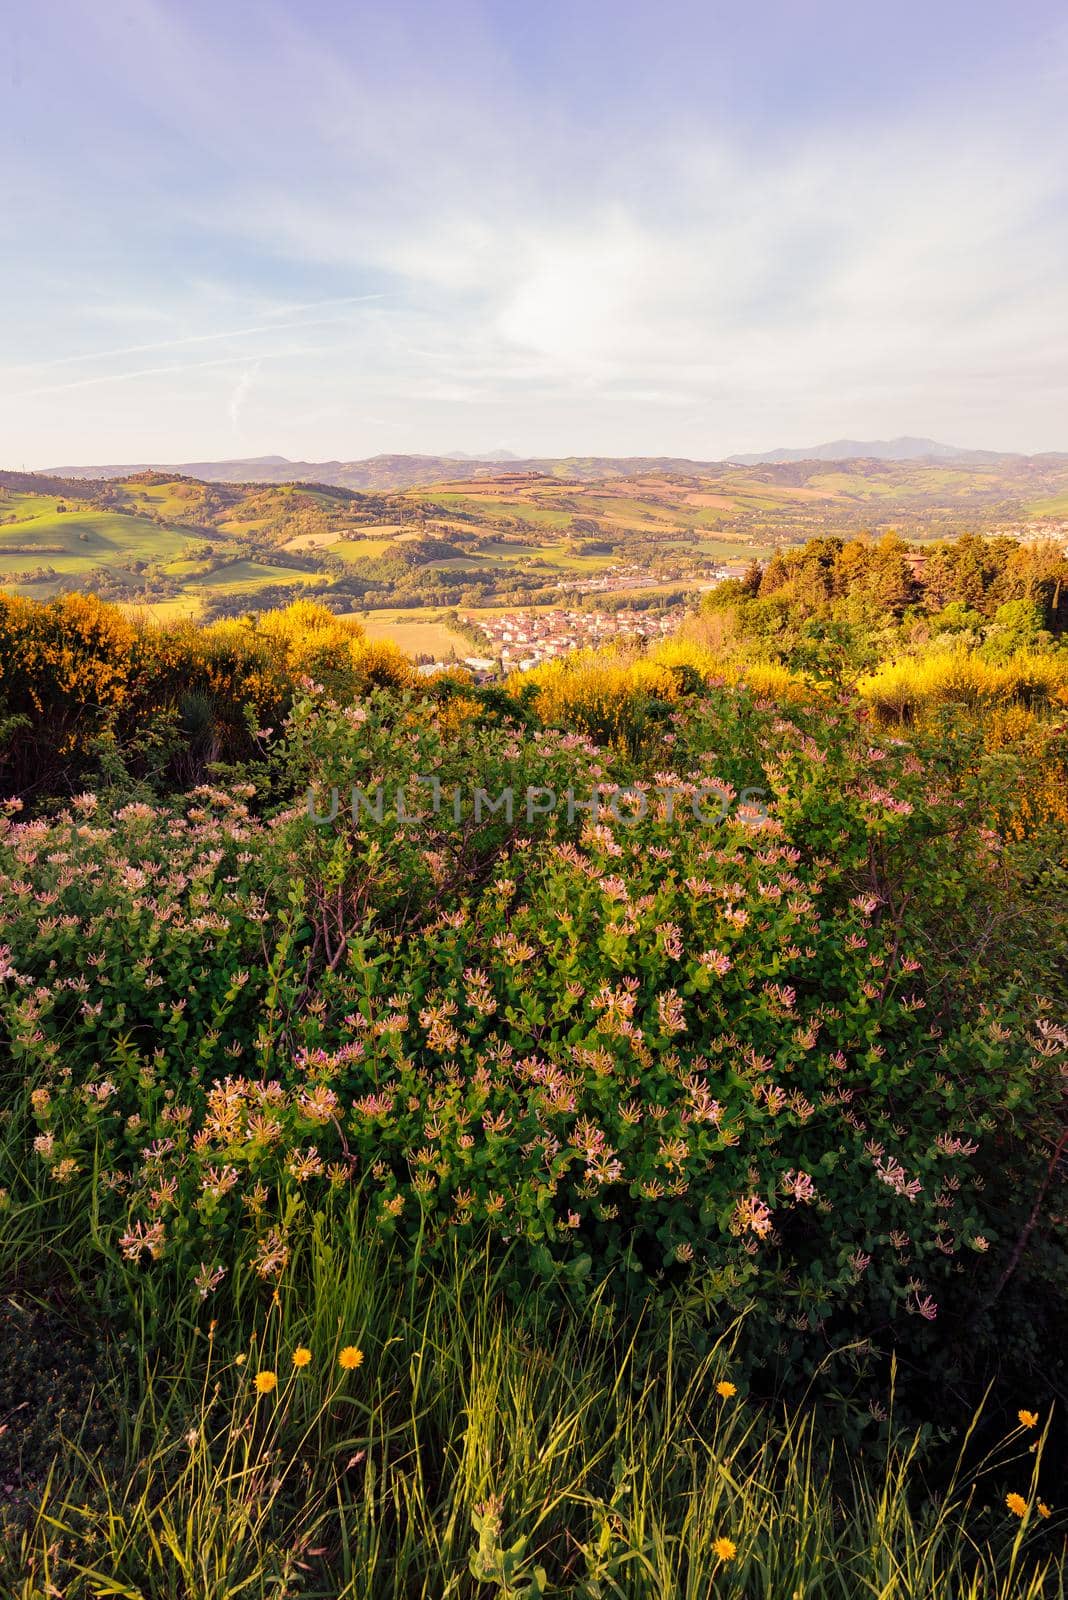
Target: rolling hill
[(477, 534)]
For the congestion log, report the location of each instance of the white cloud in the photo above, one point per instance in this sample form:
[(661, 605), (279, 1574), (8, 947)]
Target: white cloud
[(241, 391), (868, 277)]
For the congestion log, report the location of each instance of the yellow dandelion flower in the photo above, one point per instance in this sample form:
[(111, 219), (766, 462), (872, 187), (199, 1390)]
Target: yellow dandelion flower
[(1028, 1419), (1016, 1504), (726, 1389), (725, 1549), (240, 1359), (301, 1356), (266, 1381), (351, 1358), (1043, 1509)]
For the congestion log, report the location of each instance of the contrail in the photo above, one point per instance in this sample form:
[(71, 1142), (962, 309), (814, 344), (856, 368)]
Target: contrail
[(321, 305), (201, 338), (155, 372)]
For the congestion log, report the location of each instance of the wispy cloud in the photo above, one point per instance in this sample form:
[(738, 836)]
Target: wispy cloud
[(242, 389)]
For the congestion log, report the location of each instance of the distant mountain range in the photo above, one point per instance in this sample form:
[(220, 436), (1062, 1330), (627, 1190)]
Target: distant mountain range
[(386, 472), (903, 449), (380, 473), (490, 455)]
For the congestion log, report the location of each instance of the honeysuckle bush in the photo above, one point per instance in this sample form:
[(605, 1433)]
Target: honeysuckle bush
[(724, 1040)]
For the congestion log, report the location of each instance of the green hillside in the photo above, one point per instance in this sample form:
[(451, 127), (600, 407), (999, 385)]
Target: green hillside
[(522, 534), (39, 535)]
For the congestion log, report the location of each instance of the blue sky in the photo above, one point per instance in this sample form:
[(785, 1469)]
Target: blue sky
[(332, 230)]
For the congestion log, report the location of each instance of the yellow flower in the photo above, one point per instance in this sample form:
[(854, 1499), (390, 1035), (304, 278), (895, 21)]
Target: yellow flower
[(1028, 1419), (240, 1359), (301, 1357), (725, 1549), (266, 1381), (351, 1358), (726, 1389), (1016, 1504), (1043, 1509)]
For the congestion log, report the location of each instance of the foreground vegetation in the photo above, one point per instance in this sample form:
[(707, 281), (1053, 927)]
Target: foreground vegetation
[(653, 1189), (380, 1429)]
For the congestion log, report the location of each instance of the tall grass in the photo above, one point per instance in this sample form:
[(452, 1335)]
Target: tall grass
[(484, 1448)]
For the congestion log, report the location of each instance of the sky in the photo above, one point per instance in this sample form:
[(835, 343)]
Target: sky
[(329, 230)]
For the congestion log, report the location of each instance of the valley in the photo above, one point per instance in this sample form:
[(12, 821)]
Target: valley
[(408, 556)]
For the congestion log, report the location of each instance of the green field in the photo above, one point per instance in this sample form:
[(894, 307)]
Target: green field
[(630, 513), (507, 550), (731, 549), (360, 549), (470, 563), (238, 576), (567, 561), (23, 507), (75, 543), (95, 536), (239, 525), (507, 510), (1055, 506), (550, 555), (181, 500)]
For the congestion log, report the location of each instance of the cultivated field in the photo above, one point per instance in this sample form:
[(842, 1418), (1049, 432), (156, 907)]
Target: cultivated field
[(415, 634)]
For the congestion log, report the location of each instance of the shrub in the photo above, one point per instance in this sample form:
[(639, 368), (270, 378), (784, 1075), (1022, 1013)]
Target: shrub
[(902, 690), (83, 691), (732, 1054), (611, 697), (64, 674)]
